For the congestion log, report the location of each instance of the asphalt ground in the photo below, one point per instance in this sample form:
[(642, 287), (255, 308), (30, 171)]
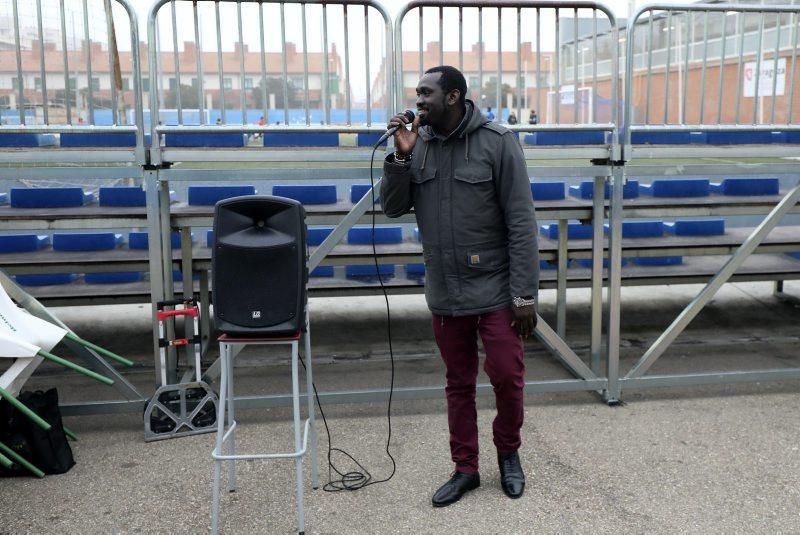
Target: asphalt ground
[(698, 459)]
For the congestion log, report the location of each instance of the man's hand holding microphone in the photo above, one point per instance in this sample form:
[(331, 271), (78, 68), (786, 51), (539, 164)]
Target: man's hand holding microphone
[(404, 139)]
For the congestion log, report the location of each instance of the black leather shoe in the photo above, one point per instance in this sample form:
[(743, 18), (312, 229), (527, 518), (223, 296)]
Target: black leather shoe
[(512, 479), (453, 490)]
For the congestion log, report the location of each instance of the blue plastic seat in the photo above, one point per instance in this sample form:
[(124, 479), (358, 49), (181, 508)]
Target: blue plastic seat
[(141, 240), (696, 227), (546, 264), (322, 271), (658, 260), (47, 279), (587, 262), (90, 241), (548, 191), (362, 235), (90, 139), (747, 186), (369, 140), (667, 138), (49, 197), (575, 231), (585, 190), (369, 271), (307, 193), (121, 196), (210, 140), (677, 187), (747, 137), (415, 269), (795, 254), (3, 198), (210, 195), (640, 229), (566, 137), (359, 190), (22, 243), (301, 139), (27, 140), (316, 235), (117, 277)]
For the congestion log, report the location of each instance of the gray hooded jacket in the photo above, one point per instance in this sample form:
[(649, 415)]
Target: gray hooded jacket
[(472, 198)]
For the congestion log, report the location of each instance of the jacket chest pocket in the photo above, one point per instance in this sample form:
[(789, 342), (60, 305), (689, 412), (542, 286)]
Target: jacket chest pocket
[(473, 174), (420, 176)]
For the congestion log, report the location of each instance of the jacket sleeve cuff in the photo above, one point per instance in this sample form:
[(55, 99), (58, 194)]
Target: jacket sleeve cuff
[(400, 166)]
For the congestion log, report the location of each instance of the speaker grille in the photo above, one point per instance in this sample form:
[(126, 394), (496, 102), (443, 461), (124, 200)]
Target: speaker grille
[(259, 266)]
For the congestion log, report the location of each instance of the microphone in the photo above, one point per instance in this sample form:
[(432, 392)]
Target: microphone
[(409, 115)]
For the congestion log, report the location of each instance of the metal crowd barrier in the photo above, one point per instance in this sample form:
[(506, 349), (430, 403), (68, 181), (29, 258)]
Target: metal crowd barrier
[(46, 138), (342, 29), (52, 137), (708, 122)]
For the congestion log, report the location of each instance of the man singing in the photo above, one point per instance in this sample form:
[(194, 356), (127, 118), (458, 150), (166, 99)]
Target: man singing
[(466, 179)]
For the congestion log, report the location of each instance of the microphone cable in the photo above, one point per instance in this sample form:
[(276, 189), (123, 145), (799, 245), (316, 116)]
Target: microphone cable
[(359, 478)]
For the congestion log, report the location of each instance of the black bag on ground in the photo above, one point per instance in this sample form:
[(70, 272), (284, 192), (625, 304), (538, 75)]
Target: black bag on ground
[(47, 450)]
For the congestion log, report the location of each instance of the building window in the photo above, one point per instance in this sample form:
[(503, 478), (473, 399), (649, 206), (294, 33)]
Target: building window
[(298, 82), (126, 84), (473, 81), (73, 84), (248, 83), (227, 83), (173, 84), (95, 84), (15, 83), (37, 83)]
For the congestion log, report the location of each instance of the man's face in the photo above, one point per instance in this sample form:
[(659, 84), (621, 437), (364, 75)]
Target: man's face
[(433, 104)]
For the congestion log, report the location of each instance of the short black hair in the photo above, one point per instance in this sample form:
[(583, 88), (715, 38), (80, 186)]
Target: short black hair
[(451, 79)]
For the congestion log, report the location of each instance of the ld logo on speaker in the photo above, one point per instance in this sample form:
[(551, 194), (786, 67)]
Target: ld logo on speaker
[(256, 314)]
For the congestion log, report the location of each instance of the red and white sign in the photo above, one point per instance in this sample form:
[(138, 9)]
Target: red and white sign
[(765, 81)]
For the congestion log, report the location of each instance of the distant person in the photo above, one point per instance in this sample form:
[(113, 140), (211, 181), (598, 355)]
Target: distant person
[(219, 120), (261, 123), (533, 118), (512, 119), (489, 114), (80, 120)]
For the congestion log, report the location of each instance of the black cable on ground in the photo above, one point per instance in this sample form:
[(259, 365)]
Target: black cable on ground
[(361, 477)]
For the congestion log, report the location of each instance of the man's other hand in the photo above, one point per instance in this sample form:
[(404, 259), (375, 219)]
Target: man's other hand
[(524, 319)]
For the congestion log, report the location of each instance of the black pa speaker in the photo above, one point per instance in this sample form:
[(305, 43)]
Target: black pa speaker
[(259, 270)]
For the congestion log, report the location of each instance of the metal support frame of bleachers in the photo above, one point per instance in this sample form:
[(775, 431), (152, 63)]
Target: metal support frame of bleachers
[(671, 160), (77, 151)]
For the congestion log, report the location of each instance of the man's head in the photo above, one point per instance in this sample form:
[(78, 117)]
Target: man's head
[(441, 94)]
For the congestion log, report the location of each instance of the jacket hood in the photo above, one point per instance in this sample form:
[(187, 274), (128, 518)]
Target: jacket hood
[(474, 119)]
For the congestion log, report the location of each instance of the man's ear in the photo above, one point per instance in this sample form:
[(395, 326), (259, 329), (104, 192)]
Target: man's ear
[(453, 96)]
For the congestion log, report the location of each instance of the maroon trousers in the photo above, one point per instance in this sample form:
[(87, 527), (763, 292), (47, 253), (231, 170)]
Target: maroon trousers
[(457, 338)]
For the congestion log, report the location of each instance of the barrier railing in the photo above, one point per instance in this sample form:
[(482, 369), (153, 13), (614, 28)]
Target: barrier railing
[(56, 113), (588, 104), (708, 73), (325, 77), (708, 127)]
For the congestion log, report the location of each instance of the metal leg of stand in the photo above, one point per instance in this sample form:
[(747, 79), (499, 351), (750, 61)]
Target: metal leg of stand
[(231, 423), (312, 409), (228, 350), (597, 274), (298, 443), (223, 355), (614, 311)]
